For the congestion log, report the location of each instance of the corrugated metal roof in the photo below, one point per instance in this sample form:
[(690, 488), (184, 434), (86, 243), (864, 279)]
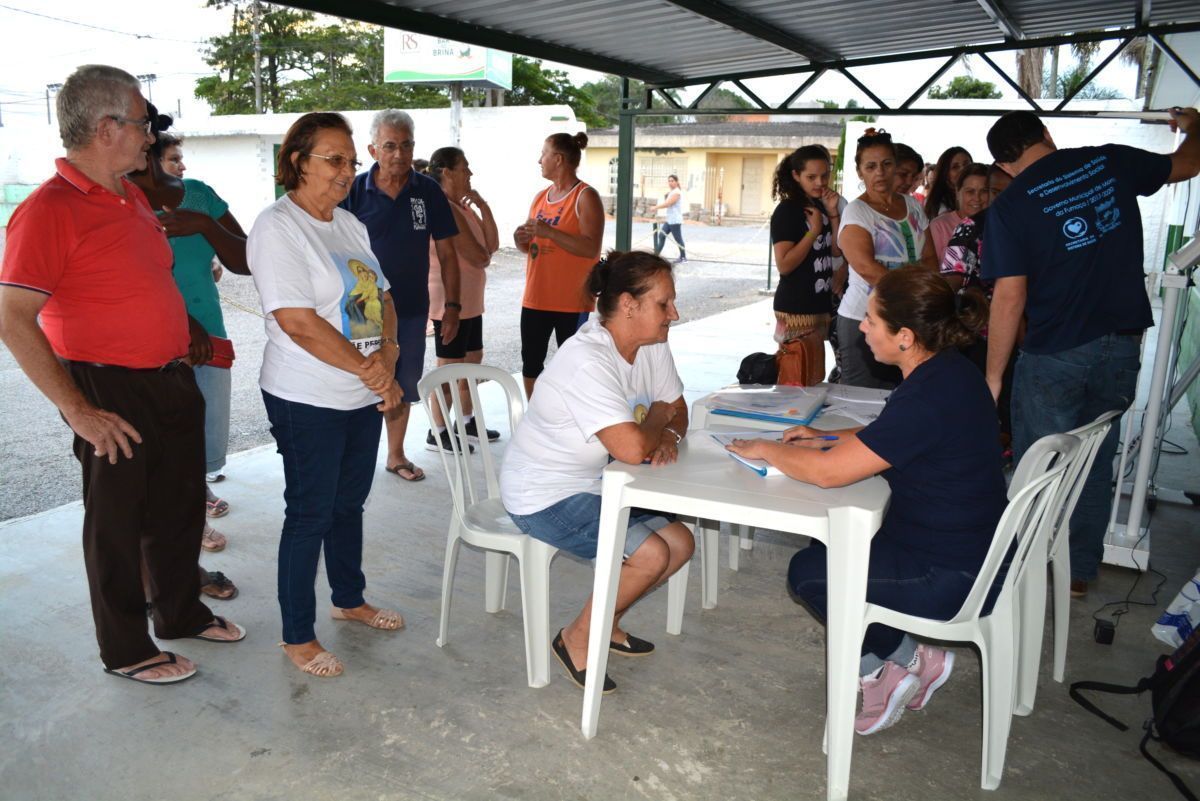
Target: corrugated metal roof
[(679, 41)]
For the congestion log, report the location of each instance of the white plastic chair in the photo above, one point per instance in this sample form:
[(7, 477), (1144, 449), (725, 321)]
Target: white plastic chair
[(995, 633), (478, 518), (1033, 586)]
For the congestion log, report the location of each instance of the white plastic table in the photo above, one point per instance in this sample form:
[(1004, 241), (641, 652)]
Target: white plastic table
[(706, 483)]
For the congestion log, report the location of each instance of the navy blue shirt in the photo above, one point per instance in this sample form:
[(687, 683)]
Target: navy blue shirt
[(400, 230), (940, 434), (1070, 223)]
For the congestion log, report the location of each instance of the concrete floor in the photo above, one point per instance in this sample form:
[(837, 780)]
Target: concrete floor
[(732, 709)]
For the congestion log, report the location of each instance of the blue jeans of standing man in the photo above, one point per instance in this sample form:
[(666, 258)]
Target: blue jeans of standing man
[(1056, 392), (328, 465)]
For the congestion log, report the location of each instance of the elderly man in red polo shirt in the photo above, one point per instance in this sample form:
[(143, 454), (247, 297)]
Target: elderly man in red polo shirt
[(86, 253)]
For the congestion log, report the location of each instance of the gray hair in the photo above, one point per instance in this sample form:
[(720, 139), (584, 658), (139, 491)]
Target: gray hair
[(91, 93), (393, 118)]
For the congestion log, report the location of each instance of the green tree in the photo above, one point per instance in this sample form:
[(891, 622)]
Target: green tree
[(308, 62), (965, 87), (535, 85)]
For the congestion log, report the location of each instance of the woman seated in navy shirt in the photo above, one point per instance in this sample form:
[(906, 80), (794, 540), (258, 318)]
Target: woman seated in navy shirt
[(936, 444)]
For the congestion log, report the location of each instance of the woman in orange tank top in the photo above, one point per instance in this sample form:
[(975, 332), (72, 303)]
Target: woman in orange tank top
[(562, 240)]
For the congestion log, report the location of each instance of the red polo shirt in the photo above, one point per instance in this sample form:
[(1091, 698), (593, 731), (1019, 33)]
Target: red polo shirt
[(105, 263)]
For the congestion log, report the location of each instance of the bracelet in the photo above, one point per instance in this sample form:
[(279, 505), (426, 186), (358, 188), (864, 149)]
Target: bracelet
[(453, 304), (388, 341), (806, 234), (678, 436)]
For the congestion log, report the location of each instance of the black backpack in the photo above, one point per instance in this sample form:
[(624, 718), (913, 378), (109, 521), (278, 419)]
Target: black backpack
[(758, 368), (1175, 701)]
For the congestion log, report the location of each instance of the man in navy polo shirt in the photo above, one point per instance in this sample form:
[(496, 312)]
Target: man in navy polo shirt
[(402, 209), (1064, 247)]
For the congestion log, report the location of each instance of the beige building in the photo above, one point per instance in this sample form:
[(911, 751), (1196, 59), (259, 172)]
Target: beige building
[(727, 164)]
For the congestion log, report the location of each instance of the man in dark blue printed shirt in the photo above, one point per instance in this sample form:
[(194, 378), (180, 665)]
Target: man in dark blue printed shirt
[(1064, 248)]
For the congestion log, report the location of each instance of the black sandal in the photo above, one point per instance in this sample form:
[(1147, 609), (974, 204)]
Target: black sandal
[(221, 582), (577, 676)]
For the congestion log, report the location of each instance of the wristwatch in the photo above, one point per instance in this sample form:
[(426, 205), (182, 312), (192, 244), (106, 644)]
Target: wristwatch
[(678, 436), (452, 304)]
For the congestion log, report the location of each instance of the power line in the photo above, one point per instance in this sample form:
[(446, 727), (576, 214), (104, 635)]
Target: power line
[(97, 27)]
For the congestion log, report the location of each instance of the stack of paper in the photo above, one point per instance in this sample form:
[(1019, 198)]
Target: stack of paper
[(860, 404), (788, 405)]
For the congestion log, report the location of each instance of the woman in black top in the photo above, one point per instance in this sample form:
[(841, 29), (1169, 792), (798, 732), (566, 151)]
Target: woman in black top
[(804, 229)]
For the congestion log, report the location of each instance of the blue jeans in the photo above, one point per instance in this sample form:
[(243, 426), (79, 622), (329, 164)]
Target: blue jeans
[(1057, 392), (214, 383), (898, 579), (676, 232), (328, 465)]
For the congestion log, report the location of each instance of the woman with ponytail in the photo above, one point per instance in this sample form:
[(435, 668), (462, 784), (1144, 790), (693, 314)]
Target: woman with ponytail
[(936, 443), (804, 229), (611, 392)]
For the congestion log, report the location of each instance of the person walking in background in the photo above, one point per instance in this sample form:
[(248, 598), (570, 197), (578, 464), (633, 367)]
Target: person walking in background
[(477, 240), (941, 197), (881, 230), (328, 371), (561, 240), (90, 312), (404, 211), (804, 229), (1074, 271), (673, 206)]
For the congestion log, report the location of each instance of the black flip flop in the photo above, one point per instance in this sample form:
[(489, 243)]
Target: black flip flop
[(222, 623), (410, 467), (577, 676), (132, 674), (633, 646)]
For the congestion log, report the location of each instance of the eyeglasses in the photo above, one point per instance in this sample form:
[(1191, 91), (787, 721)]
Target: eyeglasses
[(338, 161), (392, 147), (144, 122)]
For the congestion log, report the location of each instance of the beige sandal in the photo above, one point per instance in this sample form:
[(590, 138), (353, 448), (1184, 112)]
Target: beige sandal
[(324, 665), (385, 619), (212, 540)]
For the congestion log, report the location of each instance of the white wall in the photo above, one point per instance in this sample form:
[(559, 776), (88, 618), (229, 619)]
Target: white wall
[(234, 154)]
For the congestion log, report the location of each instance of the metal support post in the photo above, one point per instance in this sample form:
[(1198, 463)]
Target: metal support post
[(624, 209)]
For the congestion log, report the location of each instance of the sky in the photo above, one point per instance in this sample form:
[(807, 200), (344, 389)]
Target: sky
[(41, 43)]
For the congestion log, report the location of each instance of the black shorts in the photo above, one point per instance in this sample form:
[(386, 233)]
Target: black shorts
[(469, 338), (536, 327)]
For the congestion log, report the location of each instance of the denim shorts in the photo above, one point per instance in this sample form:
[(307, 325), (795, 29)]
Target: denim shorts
[(573, 525)]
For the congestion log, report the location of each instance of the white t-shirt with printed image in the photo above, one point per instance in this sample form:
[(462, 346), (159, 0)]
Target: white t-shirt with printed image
[(897, 242), (298, 261), (587, 387)]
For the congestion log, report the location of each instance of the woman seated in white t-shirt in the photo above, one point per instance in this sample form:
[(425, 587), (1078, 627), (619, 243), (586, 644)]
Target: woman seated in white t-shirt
[(611, 392)]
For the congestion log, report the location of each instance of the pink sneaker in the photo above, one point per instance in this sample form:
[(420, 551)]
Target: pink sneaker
[(884, 698), (932, 669)]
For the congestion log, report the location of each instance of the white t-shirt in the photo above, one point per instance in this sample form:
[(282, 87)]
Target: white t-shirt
[(675, 210), (897, 242), (298, 261), (587, 387)]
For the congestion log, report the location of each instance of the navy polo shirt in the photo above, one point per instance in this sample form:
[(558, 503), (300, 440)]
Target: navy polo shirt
[(940, 434), (1070, 223), (400, 230)]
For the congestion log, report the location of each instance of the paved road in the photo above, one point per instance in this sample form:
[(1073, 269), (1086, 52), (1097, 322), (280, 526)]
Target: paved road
[(38, 472)]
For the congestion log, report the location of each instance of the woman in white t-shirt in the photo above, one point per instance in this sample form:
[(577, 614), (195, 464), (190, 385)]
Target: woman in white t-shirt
[(881, 230), (327, 374), (611, 392), (672, 205)]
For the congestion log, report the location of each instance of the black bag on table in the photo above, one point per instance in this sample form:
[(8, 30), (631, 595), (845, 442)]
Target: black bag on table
[(758, 368)]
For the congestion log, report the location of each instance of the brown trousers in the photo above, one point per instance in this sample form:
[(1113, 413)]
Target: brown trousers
[(151, 504)]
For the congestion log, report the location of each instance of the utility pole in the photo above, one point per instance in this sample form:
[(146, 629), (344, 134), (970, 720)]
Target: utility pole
[(149, 78), (256, 33), (50, 87)]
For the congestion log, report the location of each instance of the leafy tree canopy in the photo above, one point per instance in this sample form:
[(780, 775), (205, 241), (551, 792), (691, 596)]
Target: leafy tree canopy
[(965, 87)]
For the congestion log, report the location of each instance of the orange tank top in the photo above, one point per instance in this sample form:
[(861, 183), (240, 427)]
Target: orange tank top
[(556, 280)]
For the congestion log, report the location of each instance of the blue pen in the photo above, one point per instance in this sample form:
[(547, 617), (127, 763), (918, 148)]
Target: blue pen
[(825, 438)]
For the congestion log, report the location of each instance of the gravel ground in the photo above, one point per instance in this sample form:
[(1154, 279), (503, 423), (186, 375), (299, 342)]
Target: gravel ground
[(38, 471)]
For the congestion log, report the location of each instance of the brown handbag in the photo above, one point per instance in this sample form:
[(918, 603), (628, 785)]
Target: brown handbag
[(791, 362)]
